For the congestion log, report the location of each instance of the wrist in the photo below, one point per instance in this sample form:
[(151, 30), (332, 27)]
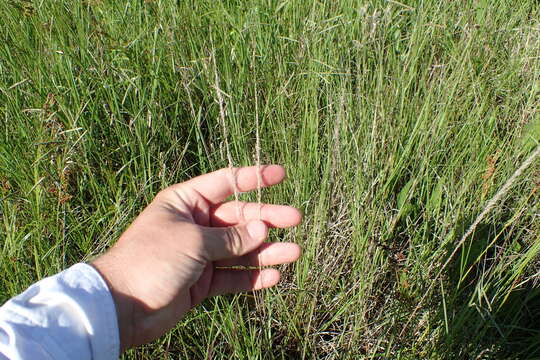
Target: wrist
[(105, 266)]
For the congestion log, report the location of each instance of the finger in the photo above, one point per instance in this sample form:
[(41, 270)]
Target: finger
[(219, 185), (232, 281), (234, 212), (233, 241), (268, 254)]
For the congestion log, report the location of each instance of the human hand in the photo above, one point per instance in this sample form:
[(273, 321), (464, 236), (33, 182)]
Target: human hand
[(177, 251)]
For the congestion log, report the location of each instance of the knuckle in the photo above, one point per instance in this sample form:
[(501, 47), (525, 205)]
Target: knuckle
[(255, 259), (234, 241), (242, 206), (167, 193)]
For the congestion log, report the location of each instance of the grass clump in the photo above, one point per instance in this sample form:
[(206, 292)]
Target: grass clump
[(398, 122)]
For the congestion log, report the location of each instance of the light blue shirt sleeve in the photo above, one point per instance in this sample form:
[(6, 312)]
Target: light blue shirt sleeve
[(70, 315)]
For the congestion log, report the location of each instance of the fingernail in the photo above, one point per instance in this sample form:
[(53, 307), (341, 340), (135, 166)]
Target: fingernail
[(257, 230)]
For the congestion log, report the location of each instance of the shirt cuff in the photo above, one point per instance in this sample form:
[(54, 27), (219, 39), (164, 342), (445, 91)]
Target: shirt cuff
[(70, 315)]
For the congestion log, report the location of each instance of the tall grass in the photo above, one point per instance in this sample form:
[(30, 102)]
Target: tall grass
[(397, 122)]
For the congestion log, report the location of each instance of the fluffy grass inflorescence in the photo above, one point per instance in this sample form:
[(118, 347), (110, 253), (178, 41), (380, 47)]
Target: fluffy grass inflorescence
[(397, 122)]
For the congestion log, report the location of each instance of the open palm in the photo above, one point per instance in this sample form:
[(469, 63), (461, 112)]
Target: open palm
[(189, 244)]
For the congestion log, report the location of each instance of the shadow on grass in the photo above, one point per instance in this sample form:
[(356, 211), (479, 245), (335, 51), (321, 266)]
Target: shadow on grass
[(484, 324)]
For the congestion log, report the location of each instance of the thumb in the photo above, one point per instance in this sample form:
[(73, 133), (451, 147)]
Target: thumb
[(227, 242)]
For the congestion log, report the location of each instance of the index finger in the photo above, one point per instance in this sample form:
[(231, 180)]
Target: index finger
[(219, 185)]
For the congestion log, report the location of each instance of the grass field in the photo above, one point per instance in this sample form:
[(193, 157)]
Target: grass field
[(397, 122)]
